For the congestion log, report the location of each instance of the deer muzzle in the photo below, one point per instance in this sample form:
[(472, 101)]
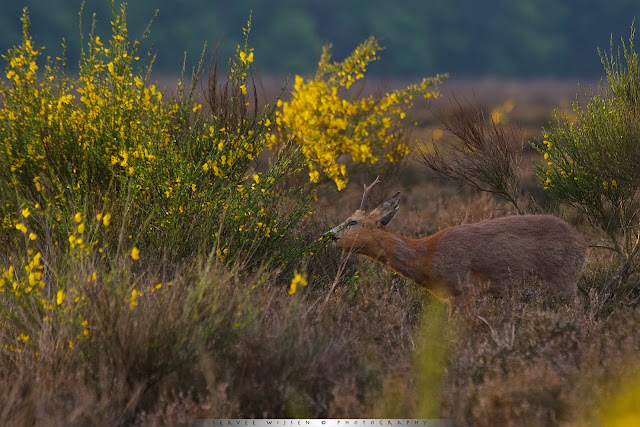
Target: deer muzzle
[(329, 236)]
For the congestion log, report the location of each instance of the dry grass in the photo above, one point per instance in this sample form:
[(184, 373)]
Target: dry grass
[(374, 345), (523, 359)]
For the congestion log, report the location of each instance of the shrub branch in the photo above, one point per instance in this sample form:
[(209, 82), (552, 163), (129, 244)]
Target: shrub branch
[(477, 152)]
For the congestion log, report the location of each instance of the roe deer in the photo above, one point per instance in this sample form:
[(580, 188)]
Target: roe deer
[(496, 252)]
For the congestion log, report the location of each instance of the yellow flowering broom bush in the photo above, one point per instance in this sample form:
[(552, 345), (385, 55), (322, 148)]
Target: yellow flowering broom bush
[(102, 174), (109, 140), (328, 126)]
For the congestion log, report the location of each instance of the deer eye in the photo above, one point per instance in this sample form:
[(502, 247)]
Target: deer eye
[(352, 223)]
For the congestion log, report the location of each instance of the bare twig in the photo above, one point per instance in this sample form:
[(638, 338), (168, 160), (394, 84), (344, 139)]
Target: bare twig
[(623, 271), (480, 153), (341, 268)]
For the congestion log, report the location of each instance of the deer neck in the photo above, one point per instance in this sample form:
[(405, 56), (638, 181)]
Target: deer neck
[(408, 257)]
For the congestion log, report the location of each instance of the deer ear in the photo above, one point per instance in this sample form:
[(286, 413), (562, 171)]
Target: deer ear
[(387, 210)]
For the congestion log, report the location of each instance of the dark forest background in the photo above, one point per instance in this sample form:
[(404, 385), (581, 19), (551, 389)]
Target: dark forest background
[(467, 38)]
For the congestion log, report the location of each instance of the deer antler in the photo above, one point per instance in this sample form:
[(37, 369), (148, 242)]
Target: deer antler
[(366, 192)]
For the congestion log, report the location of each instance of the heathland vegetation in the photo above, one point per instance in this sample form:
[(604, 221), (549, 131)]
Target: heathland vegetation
[(160, 259)]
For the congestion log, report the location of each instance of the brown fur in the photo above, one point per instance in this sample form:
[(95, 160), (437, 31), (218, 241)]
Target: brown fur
[(495, 253)]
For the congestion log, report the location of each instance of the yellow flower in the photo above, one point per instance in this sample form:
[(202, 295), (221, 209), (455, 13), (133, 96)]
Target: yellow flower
[(81, 228), (106, 220), (77, 218), (298, 279), (60, 297), (134, 297), (246, 59), (25, 212), (135, 253), (243, 88), (33, 236), (20, 226)]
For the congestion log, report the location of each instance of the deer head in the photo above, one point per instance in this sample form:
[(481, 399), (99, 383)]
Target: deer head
[(359, 232)]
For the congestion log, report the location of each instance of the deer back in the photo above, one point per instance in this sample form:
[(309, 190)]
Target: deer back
[(508, 249)]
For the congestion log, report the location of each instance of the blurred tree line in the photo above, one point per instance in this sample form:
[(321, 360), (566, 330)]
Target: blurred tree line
[(524, 38)]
